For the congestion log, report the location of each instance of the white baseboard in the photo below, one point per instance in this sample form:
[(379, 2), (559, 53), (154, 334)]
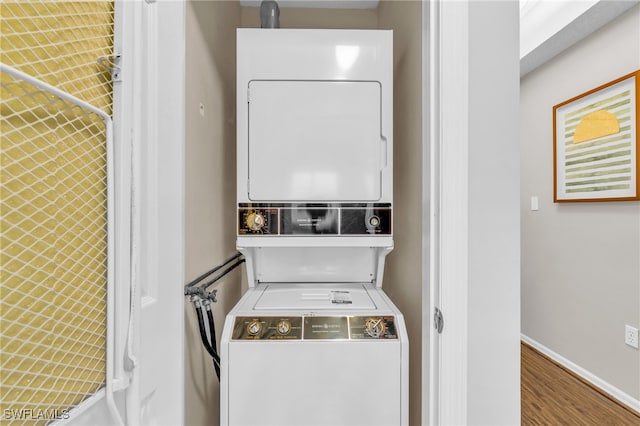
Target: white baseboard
[(606, 387)]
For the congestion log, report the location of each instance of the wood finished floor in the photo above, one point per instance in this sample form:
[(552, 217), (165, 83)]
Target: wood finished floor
[(551, 395)]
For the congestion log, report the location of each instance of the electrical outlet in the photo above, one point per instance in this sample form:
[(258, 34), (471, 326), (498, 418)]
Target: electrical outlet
[(631, 336)]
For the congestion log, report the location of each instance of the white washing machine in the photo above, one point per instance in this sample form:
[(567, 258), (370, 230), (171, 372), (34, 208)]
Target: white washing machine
[(315, 340)]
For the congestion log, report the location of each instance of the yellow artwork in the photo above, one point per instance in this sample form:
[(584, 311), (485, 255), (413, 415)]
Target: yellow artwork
[(596, 149), (596, 125)]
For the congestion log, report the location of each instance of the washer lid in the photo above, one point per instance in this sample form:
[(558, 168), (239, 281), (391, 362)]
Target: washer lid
[(316, 296)]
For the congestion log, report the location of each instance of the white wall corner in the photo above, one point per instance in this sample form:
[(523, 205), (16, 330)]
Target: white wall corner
[(493, 214)]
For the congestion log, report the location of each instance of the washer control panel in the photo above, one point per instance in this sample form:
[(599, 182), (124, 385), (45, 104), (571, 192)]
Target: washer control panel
[(267, 328), (311, 327), (314, 219)]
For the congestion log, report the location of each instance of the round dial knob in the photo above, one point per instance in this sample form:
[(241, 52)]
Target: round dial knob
[(254, 327), (255, 221), (284, 327), (374, 221), (374, 327)]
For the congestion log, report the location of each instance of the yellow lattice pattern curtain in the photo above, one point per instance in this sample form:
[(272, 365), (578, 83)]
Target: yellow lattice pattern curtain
[(53, 208)]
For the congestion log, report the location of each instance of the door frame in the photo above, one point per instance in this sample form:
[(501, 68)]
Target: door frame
[(445, 197)]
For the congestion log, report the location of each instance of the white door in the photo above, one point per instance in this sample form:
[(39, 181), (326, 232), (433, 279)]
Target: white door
[(149, 122), (149, 126), (107, 406), (315, 141), (157, 55)]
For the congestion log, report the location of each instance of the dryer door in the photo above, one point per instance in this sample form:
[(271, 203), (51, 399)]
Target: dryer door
[(315, 141)]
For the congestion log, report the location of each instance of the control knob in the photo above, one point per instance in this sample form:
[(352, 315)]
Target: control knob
[(374, 327), (254, 327), (284, 327), (374, 221), (255, 221)]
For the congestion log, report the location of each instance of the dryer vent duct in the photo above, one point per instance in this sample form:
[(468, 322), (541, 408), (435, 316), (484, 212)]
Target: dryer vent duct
[(269, 14)]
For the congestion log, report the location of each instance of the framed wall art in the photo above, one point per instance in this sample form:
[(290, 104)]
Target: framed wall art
[(595, 143)]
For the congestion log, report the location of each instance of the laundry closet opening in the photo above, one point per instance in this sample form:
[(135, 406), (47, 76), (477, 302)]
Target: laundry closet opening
[(211, 168)]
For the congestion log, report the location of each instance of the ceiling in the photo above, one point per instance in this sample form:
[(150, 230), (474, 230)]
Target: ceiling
[(549, 27)]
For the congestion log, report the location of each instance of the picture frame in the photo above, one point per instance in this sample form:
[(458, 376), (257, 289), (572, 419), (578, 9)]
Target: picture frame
[(595, 144)]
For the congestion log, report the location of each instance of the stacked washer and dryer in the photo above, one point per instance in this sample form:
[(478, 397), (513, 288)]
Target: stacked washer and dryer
[(314, 340)]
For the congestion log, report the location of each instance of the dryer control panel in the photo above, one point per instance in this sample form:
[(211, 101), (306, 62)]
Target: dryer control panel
[(339, 219)]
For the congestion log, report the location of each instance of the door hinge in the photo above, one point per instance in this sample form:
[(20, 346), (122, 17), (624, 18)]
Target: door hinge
[(111, 64), (438, 321)]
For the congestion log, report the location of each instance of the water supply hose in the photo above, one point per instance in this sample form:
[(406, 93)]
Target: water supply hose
[(213, 343), (204, 337)]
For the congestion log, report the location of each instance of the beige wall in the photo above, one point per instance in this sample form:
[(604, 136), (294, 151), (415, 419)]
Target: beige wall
[(211, 177), (403, 276), (580, 261), (291, 17), (210, 184)]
